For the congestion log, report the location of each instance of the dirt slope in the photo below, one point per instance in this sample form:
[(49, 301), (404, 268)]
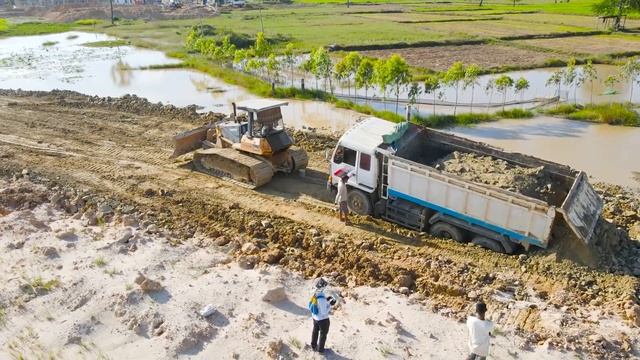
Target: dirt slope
[(120, 149)]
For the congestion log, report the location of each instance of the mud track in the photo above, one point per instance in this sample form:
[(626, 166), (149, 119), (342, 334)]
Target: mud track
[(122, 152)]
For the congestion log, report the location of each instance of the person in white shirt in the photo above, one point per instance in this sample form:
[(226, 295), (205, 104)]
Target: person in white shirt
[(320, 306), (341, 199), (479, 332)]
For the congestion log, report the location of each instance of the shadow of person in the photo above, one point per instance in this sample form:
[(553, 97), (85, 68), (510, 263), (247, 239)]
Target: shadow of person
[(330, 354), (291, 307)]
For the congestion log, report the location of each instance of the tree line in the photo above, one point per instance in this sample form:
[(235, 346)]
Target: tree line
[(391, 75)]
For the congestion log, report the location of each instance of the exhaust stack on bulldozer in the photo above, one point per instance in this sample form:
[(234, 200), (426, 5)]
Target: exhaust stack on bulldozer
[(249, 151)]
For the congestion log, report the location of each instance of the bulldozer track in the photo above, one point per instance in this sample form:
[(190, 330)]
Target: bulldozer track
[(232, 164)]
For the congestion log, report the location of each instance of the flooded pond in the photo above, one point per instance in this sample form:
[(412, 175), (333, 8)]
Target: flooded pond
[(605, 152), (608, 153), (60, 61)]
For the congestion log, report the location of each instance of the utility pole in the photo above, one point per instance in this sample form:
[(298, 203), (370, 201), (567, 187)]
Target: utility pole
[(111, 3)]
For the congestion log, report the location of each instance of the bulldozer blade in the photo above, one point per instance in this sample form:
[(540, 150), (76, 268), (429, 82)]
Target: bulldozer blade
[(189, 140)]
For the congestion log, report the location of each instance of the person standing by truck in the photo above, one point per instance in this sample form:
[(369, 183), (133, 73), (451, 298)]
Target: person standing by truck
[(479, 332), (341, 199)]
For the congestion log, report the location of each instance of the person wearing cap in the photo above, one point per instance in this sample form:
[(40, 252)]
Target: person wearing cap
[(341, 198), (320, 306), (479, 333)]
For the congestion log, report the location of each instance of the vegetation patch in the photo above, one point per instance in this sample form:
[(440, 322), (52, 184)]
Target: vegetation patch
[(33, 28), (441, 121), (107, 43), (89, 22), (49, 43), (515, 114), (612, 114)]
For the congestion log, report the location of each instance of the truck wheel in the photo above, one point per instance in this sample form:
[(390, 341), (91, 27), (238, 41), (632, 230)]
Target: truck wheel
[(447, 231), (488, 244), (359, 202)]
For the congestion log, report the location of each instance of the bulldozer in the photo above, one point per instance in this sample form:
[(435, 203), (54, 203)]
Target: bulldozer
[(249, 149)]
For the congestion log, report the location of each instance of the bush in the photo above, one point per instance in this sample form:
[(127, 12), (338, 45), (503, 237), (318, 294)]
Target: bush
[(88, 22), (36, 28), (4, 25), (440, 121), (612, 114), (515, 114), (203, 30), (177, 54), (562, 109)]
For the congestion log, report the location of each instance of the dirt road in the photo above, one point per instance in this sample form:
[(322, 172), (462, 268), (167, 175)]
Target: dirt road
[(120, 148)]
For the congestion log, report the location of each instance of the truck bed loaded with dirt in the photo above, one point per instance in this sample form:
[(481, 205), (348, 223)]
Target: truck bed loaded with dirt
[(428, 180)]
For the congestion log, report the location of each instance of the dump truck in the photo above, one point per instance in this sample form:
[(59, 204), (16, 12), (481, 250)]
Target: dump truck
[(392, 176), (248, 149)]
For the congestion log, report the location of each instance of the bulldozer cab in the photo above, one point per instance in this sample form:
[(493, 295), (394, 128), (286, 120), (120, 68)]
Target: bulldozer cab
[(265, 116), (265, 122)]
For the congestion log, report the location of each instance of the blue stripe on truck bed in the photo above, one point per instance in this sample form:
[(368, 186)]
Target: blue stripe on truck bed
[(500, 230)]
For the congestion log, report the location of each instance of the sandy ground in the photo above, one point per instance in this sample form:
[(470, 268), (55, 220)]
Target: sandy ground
[(102, 160), (96, 309)]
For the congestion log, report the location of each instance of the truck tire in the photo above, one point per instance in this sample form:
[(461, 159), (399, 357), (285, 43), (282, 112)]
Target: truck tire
[(509, 246), (359, 202), (488, 244), (447, 231)]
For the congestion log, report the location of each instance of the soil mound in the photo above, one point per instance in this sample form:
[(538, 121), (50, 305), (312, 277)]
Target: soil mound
[(531, 182)]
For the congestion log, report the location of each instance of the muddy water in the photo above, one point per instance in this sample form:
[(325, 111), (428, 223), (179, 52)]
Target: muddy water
[(608, 153), (28, 64)]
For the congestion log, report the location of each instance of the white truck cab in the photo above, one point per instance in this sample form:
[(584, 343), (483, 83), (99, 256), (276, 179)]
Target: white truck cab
[(355, 155)]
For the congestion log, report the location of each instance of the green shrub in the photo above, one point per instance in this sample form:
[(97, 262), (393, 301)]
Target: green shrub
[(440, 121), (88, 22), (49, 43), (613, 114), (107, 43), (177, 54), (35, 28), (515, 114), (562, 109), (4, 25)]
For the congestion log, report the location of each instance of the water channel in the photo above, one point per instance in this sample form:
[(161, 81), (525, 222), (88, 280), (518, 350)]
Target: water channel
[(606, 152)]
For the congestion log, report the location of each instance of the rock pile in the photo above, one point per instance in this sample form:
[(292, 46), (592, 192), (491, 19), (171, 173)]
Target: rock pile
[(533, 182), (127, 103)]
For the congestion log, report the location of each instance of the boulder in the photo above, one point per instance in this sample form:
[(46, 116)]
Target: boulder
[(130, 220), (274, 295), (49, 251), (272, 256), (634, 231), (125, 235), (405, 281), (66, 235), (274, 348), (250, 248), (247, 262), (147, 285), (221, 240)]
